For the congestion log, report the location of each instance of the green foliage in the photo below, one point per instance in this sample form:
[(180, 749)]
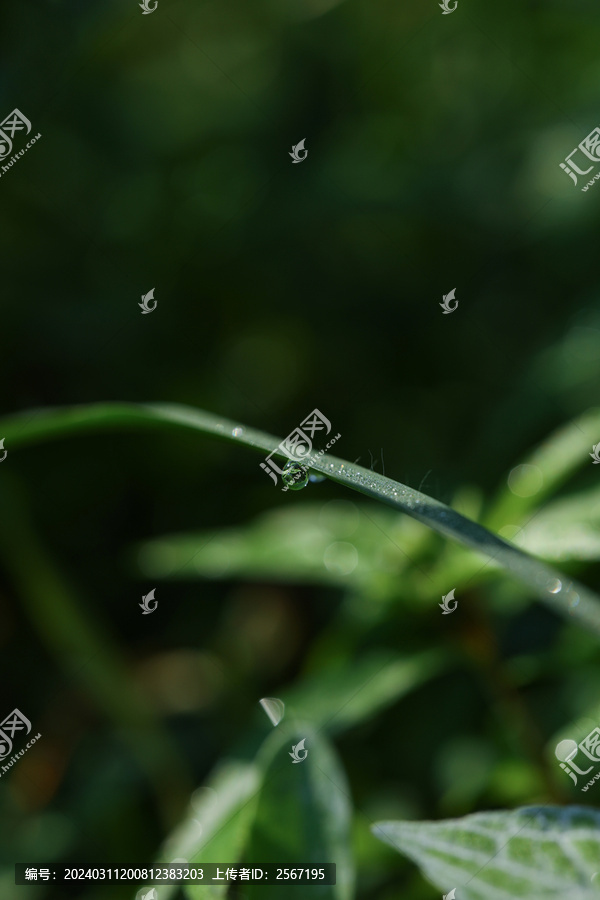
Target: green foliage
[(303, 814), (376, 560), (531, 853), (564, 595), (434, 146)]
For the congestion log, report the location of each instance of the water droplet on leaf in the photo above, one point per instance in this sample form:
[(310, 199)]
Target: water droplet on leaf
[(274, 708), (295, 476)]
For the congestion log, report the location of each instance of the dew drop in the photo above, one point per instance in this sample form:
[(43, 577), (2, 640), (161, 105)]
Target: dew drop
[(295, 476), (553, 586), (274, 708), (237, 432)]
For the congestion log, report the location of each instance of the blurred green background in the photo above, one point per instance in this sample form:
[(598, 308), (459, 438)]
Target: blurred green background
[(434, 145)]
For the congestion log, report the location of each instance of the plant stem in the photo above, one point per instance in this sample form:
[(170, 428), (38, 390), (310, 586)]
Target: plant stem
[(565, 596)]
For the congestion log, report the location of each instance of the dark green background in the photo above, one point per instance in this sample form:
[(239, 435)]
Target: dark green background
[(434, 145)]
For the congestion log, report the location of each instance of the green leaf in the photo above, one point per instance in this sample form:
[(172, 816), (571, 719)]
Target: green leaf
[(339, 698), (566, 529), (292, 543), (542, 473), (564, 595), (532, 853), (303, 816), (216, 827)]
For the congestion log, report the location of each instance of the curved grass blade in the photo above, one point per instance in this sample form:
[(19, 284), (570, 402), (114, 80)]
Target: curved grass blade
[(561, 593)]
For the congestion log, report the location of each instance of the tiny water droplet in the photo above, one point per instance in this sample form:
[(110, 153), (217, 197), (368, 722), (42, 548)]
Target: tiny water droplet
[(553, 586), (274, 708), (316, 479), (237, 432), (295, 476)]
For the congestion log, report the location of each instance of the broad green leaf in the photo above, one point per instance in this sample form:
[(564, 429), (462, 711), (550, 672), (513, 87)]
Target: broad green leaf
[(533, 853), (566, 529), (540, 474), (216, 827), (337, 698), (563, 595), (312, 543), (303, 816)]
